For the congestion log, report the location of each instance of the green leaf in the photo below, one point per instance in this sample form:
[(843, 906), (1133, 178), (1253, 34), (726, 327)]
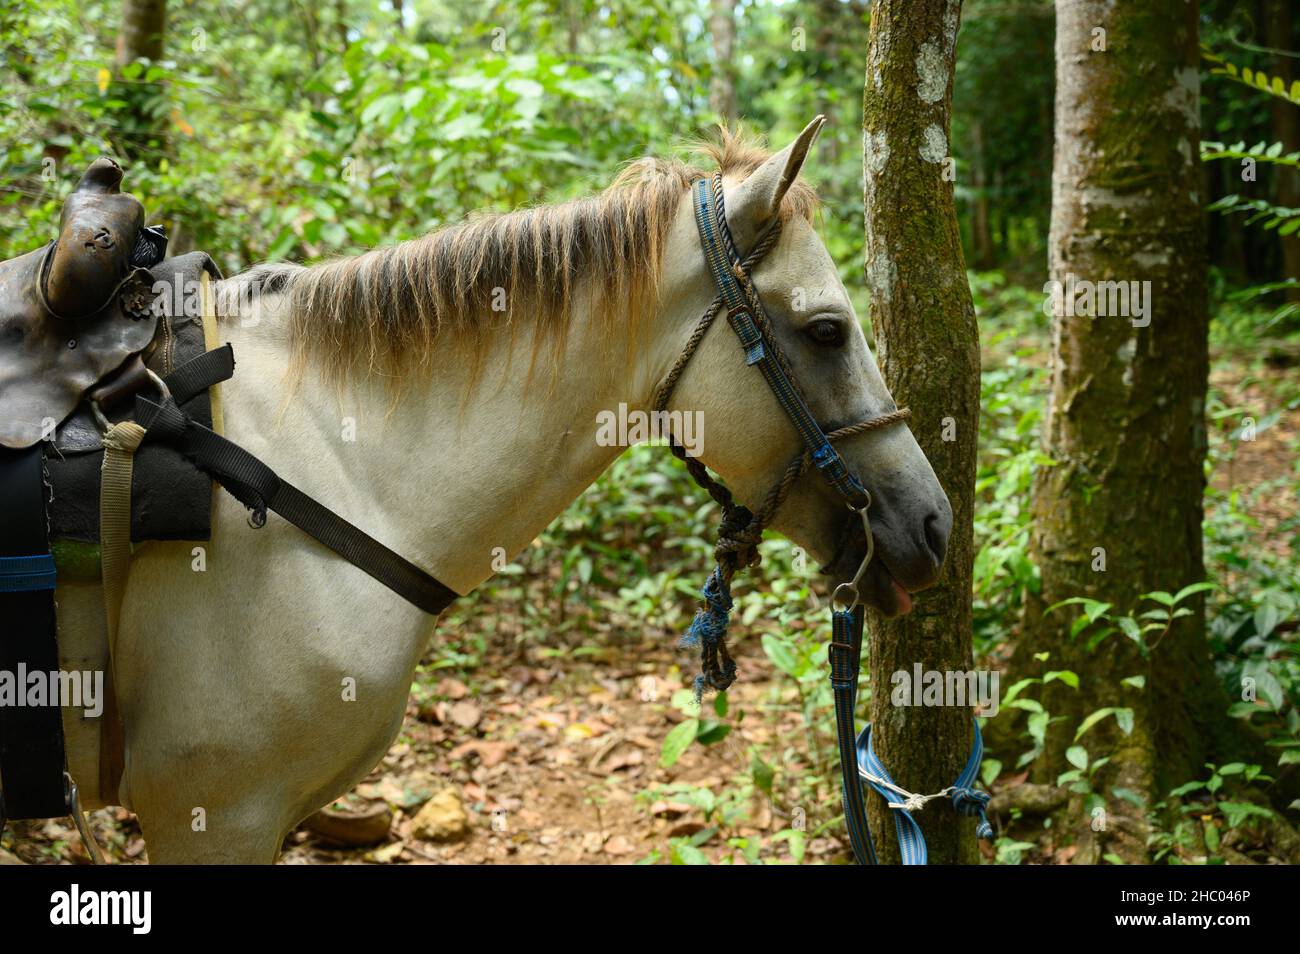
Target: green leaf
[(1130, 796), (684, 853), (762, 773), (1071, 679), (779, 651), (678, 741), (1267, 616), (1238, 812), (1189, 590), (1130, 628), (1092, 720), (1077, 756), (989, 771), (527, 88), (711, 733)]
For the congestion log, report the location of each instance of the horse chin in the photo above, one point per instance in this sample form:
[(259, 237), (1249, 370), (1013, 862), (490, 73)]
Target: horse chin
[(878, 588)]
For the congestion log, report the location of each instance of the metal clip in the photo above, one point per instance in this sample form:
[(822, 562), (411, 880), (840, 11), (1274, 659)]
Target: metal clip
[(846, 594), (87, 839)]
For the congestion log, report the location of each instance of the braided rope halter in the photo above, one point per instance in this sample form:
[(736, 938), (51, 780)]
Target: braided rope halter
[(741, 531)]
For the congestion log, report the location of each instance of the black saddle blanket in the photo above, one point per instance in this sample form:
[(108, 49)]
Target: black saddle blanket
[(171, 499)]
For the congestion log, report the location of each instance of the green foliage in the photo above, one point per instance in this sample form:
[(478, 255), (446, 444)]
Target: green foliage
[(1256, 79), (1097, 620)]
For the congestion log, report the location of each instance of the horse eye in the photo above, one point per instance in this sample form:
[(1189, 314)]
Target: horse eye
[(827, 333)]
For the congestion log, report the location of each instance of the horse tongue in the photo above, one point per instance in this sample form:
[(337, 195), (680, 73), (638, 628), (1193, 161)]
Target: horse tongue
[(904, 598)]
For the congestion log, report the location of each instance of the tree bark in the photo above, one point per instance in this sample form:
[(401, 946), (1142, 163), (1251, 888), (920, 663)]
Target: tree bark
[(722, 85), (981, 232), (142, 36), (1120, 513), (1286, 129), (144, 25), (928, 346)]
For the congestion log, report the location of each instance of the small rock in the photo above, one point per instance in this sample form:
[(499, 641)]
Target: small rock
[(442, 818), (452, 689), (619, 845), (466, 714)]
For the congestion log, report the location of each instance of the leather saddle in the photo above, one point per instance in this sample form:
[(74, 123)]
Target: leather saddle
[(75, 311)]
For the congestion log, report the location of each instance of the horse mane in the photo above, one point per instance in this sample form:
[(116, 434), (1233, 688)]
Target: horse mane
[(384, 311)]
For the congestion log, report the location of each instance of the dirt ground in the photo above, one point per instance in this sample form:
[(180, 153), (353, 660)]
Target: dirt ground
[(550, 762)]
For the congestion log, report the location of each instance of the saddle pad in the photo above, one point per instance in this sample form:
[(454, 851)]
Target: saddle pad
[(171, 499)]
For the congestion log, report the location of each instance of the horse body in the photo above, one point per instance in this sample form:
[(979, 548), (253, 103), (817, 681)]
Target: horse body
[(269, 678)]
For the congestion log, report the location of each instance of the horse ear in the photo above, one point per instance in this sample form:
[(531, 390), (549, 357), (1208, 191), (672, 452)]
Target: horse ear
[(752, 204)]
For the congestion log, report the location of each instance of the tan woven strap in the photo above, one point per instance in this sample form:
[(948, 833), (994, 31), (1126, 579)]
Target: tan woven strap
[(120, 443)]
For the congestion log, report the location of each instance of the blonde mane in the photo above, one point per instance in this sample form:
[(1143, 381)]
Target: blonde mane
[(384, 312)]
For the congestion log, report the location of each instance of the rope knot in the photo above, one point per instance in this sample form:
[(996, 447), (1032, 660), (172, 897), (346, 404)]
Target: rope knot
[(708, 631), (739, 535), (973, 803)]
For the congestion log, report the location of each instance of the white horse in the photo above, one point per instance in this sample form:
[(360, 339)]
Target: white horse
[(443, 394)]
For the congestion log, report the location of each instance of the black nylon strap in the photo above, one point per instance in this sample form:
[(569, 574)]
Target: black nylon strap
[(32, 760), (259, 488), (200, 373), (845, 659)]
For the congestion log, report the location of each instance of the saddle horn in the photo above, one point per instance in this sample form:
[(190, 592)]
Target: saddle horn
[(97, 236)]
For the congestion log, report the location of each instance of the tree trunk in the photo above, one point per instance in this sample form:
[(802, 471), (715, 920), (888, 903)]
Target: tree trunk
[(144, 28), (1286, 129), (981, 232), (722, 86), (1120, 513), (928, 346)]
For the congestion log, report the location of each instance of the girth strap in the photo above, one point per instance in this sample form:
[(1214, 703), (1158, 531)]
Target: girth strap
[(259, 488), (32, 762)]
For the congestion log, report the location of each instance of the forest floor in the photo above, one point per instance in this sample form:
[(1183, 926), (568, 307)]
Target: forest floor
[(539, 756), (547, 761)]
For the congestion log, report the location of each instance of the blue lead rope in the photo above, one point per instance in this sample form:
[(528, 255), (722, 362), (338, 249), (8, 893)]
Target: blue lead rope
[(859, 763), (966, 799)]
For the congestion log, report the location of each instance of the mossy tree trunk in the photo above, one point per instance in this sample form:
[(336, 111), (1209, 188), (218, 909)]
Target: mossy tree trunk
[(142, 37), (1120, 513), (722, 84), (928, 346)]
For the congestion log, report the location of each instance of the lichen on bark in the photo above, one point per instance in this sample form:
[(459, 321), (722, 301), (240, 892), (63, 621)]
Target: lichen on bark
[(924, 323), (1125, 425)]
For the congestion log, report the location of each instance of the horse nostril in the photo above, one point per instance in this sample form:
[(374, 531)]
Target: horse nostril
[(936, 536)]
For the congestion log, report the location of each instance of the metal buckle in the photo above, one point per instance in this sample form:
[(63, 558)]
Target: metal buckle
[(846, 594), (163, 392)]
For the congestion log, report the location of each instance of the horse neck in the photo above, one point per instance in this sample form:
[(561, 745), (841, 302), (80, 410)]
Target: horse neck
[(470, 465)]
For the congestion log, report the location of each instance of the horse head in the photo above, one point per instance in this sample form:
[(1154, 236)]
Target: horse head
[(750, 440)]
